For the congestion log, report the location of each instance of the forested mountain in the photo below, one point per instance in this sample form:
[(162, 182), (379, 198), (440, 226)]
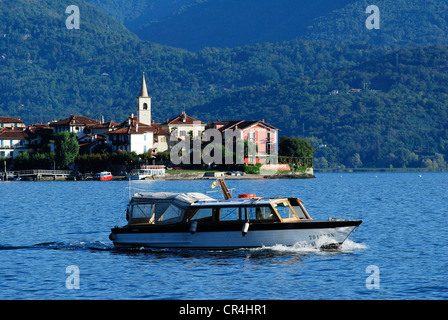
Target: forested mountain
[(387, 111), (194, 25), (398, 117)]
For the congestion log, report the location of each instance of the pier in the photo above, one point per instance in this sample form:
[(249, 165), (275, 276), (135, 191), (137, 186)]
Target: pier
[(39, 175)]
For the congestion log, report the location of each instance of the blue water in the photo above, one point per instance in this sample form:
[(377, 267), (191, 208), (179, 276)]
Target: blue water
[(48, 226)]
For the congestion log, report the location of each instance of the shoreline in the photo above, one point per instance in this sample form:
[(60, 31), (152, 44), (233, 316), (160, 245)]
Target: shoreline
[(352, 170), (210, 175), (203, 176), (188, 176)]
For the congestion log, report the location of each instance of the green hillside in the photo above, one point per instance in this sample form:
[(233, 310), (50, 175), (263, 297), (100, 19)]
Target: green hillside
[(399, 118)]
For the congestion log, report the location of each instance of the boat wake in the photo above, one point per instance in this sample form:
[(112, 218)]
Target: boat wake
[(300, 248), (318, 248), (81, 245)]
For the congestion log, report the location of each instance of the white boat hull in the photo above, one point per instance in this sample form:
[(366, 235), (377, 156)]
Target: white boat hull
[(314, 237)]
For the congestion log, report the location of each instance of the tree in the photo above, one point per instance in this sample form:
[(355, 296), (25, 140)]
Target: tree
[(67, 149), (295, 147), (355, 160)]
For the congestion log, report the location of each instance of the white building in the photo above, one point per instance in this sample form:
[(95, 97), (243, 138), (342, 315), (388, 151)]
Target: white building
[(183, 126), (13, 142), (130, 136), (144, 104), (10, 122), (76, 124)]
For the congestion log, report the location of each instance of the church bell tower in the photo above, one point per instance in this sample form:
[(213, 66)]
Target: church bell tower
[(144, 104)]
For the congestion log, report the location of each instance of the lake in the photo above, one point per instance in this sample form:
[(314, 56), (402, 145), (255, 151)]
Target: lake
[(54, 243)]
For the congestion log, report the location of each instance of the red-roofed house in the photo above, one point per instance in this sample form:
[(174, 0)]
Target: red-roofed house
[(75, 124), (263, 135), (131, 135), (162, 141), (9, 122), (13, 142), (184, 125)]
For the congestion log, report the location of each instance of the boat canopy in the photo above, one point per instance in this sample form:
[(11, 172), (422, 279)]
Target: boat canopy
[(162, 207), (180, 199), (169, 207)]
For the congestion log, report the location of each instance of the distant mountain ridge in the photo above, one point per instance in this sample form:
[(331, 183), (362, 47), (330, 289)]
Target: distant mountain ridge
[(135, 13), (194, 25), (396, 114)]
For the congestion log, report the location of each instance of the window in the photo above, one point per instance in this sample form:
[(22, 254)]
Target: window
[(172, 214), (183, 133), (230, 214), (264, 213), (145, 106), (298, 208), (250, 213), (203, 213), (284, 210), (251, 136), (141, 213)]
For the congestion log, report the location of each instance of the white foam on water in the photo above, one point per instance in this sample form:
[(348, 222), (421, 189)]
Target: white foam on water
[(306, 247), (350, 245)]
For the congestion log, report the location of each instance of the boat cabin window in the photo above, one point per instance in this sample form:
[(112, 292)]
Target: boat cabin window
[(284, 210), (203, 214), (154, 213), (230, 214), (260, 213), (247, 213), (298, 208), (172, 214), (141, 213)]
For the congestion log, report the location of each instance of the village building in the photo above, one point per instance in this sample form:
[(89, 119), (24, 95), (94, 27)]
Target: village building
[(39, 136), (162, 138), (264, 136), (13, 141), (138, 133), (132, 136), (9, 122), (183, 125), (144, 104), (76, 124)]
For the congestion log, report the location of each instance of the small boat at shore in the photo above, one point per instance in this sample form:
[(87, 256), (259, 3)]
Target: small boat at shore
[(196, 221), (146, 171), (103, 176)]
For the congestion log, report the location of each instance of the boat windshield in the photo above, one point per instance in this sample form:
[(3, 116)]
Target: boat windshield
[(284, 210), (155, 213), (141, 213)]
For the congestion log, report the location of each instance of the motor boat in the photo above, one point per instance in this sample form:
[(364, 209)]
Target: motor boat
[(196, 221)]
